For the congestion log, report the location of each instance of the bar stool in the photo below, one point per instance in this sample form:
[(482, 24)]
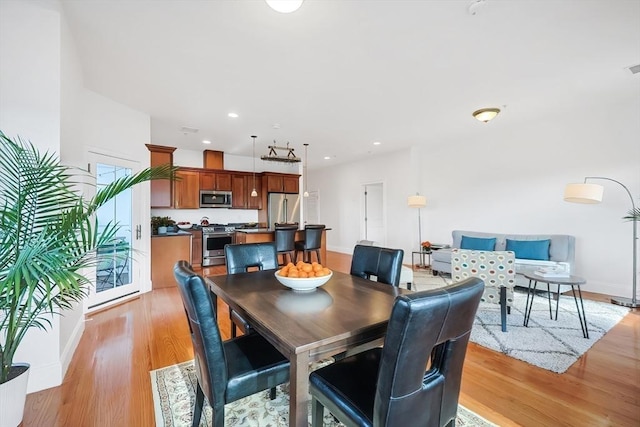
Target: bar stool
[(312, 242), (285, 237)]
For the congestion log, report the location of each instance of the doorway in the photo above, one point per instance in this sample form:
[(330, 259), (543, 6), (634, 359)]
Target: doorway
[(116, 275), (372, 225)]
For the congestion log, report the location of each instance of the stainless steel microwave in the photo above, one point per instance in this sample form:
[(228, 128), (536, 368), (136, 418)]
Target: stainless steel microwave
[(215, 199)]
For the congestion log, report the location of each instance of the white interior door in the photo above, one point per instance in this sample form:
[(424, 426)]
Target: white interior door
[(373, 225), (116, 275)]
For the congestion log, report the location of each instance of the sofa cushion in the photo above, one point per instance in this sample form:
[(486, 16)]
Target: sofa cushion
[(478, 243), (529, 249)]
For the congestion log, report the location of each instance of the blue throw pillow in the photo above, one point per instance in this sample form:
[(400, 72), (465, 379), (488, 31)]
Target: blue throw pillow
[(478, 243), (530, 249)]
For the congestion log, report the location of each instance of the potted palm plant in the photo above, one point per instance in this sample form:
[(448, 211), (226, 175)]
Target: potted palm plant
[(633, 215), (48, 235)]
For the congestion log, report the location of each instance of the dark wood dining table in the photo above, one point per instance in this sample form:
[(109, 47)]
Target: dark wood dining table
[(345, 312)]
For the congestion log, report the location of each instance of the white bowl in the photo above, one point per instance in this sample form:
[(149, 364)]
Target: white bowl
[(184, 226), (303, 284)]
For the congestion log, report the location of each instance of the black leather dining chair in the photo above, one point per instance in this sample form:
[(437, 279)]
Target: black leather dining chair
[(384, 263), (285, 238), (311, 243), (226, 370), (240, 258), (390, 386)]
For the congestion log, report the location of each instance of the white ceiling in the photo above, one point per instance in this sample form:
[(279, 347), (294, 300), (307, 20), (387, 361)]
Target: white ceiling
[(340, 75)]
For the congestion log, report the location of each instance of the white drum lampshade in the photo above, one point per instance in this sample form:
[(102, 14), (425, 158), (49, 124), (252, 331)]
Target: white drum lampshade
[(583, 193), (417, 201)]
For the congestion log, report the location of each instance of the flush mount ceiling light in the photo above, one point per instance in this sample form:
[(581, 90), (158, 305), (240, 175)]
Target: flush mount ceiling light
[(284, 6), (486, 114)]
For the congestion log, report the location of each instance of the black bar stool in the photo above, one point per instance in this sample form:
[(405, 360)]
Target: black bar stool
[(312, 242), (285, 237)]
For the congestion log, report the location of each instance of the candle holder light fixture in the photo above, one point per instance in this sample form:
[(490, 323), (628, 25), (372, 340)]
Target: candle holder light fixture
[(254, 193)]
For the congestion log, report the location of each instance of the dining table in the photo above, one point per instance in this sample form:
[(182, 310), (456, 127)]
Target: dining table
[(344, 313)]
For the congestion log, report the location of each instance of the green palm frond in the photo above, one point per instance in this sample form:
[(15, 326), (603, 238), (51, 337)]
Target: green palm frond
[(48, 234), (633, 215)]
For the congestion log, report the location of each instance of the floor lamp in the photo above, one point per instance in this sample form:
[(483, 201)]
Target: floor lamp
[(592, 193), (419, 202)]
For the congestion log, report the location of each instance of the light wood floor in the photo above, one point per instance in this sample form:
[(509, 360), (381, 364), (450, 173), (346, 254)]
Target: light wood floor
[(108, 384)]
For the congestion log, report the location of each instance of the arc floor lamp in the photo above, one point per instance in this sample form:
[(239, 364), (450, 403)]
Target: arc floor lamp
[(592, 193)]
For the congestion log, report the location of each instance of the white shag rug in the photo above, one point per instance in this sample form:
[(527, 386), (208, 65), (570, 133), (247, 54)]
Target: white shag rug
[(173, 391), (554, 345)]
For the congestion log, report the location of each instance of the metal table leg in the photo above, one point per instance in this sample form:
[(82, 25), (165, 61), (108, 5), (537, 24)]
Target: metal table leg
[(549, 299), (529, 305), (581, 315), (558, 301)]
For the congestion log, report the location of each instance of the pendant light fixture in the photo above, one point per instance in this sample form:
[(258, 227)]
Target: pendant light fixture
[(304, 171), (254, 193)]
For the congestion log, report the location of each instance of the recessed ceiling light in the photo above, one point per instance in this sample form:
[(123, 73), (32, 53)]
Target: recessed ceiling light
[(233, 115), (327, 157), (284, 6), (377, 143), (206, 141)]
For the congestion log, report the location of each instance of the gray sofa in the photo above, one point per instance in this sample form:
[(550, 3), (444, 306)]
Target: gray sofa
[(561, 251)]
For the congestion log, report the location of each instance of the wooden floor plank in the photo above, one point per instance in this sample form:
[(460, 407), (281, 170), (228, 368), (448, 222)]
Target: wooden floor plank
[(108, 383)]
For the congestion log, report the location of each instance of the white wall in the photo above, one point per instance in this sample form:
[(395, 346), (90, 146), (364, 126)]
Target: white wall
[(42, 99), (71, 94), (508, 178), (340, 200), (30, 55)]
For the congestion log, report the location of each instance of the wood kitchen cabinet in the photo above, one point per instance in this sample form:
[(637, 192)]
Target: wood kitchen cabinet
[(281, 183), (213, 159), (196, 248), (215, 180), (241, 187), (161, 195), (186, 189), (165, 252)]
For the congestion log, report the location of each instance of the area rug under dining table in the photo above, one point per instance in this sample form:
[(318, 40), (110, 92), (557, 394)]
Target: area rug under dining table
[(550, 344), (173, 391)]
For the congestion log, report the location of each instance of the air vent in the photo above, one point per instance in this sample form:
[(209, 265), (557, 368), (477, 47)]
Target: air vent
[(635, 69), (186, 130)]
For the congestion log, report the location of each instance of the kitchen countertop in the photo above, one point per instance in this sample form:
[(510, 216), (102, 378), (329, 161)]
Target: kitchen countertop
[(263, 230), (253, 230), (172, 234)]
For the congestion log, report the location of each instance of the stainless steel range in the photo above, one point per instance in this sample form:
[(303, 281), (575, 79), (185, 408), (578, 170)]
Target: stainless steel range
[(214, 237)]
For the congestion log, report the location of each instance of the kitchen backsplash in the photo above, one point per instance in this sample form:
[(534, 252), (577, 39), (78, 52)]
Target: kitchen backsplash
[(215, 215)]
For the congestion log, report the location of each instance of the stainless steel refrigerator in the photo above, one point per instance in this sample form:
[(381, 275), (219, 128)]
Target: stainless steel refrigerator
[(283, 208)]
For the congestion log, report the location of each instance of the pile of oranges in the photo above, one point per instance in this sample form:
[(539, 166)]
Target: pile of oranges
[(303, 270)]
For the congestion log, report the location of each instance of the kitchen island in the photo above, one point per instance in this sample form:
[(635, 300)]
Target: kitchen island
[(257, 235), (166, 250)]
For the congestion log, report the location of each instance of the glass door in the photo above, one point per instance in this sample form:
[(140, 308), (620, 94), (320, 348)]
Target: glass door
[(116, 276)]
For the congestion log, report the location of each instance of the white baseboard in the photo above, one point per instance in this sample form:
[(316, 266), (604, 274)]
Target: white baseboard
[(348, 251)]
